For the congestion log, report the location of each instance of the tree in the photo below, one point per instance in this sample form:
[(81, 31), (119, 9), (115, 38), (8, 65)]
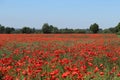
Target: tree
[(51, 28), (17, 31), (106, 31), (33, 30), (79, 31), (118, 27), (2, 29), (26, 30), (9, 30), (55, 30), (46, 28), (113, 30), (94, 28)]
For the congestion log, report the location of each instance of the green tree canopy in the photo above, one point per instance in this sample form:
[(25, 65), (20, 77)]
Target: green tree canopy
[(46, 28), (26, 30), (9, 30), (94, 28), (2, 29), (118, 27)]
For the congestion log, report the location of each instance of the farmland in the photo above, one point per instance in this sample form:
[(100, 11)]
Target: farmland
[(59, 57)]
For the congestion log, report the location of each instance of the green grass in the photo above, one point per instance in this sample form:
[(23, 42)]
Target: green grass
[(118, 36)]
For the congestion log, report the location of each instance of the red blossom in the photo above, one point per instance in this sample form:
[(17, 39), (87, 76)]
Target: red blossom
[(65, 74)]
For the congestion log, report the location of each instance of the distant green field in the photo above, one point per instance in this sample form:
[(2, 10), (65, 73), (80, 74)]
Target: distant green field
[(118, 36)]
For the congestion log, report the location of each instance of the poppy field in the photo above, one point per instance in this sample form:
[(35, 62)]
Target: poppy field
[(59, 57)]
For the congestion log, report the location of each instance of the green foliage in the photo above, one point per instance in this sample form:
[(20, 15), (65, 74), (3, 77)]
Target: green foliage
[(118, 27), (46, 28), (118, 33), (54, 29), (94, 28), (113, 30), (79, 31), (66, 30), (26, 30), (9, 30), (2, 29), (106, 31)]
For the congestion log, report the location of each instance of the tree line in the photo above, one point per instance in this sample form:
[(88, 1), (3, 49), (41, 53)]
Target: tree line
[(50, 29)]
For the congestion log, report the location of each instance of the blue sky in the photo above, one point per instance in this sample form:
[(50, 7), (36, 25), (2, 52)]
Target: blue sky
[(60, 13)]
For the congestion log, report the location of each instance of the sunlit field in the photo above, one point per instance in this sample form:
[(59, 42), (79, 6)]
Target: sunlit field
[(59, 57)]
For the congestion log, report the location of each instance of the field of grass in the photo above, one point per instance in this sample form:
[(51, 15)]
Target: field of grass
[(59, 57), (118, 36)]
